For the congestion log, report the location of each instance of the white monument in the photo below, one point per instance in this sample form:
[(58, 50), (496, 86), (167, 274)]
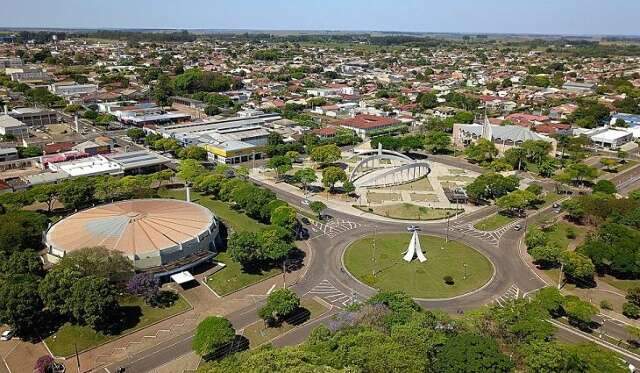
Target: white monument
[(414, 249)]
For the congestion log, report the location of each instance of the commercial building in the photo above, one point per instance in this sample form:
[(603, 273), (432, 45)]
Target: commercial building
[(611, 139), (13, 127), (31, 76), (8, 154), (70, 90), (580, 87), (227, 141), (162, 236), (368, 125), (35, 117), (76, 164), (631, 120)]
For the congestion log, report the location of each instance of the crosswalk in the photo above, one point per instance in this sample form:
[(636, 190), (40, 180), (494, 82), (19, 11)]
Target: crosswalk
[(332, 228), (492, 237), (331, 294), (512, 293)]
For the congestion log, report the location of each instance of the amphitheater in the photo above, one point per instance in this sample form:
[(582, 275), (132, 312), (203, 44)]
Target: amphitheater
[(161, 235), (379, 168)]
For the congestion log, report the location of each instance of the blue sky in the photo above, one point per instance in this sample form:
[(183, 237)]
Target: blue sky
[(491, 16)]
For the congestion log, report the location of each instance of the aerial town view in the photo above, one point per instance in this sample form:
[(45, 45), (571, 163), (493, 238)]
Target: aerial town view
[(319, 186)]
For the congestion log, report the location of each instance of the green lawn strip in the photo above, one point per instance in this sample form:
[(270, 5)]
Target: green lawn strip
[(258, 334), (422, 280), (420, 185), (407, 211), (233, 278), (382, 197), (493, 222), (235, 220), (623, 285), (62, 342), (456, 178)]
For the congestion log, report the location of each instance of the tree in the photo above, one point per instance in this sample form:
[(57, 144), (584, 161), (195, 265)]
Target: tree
[(577, 267), (609, 163), (547, 256), (333, 175), (325, 154), (190, 169), (579, 312), (101, 262), (280, 164), (44, 364), (162, 90), (427, 100), (29, 151), (93, 302), (193, 152), (500, 165), (46, 193), (491, 185), (306, 176), (471, 353), (580, 172), (516, 201), (20, 304), (275, 244), (437, 142), (55, 289), (631, 310), (144, 285), (551, 300), (517, 157), (244, 247), (20, 230), (25, 262), (77, 193), (285, 217), (317, 207), (546, 357), (280, 303), (482, 151), (604, 186), (633, 295), (212, 333)]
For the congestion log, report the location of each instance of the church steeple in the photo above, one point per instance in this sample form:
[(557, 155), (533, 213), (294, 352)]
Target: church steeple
[(487, 132)]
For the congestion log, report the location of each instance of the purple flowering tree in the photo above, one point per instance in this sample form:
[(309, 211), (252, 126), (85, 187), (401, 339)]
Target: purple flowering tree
[(43, 364), (144, 285)]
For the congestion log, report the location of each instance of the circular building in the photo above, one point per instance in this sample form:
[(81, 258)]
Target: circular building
[(159, 235)]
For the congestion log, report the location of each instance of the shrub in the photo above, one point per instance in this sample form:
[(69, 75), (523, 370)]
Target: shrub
[(631, 310), (606, 305), (571, 233), (448, 280)]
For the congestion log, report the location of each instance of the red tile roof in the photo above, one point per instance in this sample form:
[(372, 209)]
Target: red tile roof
[(369, 122)]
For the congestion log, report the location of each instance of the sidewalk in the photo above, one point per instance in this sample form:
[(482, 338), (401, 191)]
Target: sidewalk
[(204, 302)]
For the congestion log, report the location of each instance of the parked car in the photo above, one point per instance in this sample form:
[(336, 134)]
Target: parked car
[(517, 227), (306, 202), (6, 335), (412, 228)]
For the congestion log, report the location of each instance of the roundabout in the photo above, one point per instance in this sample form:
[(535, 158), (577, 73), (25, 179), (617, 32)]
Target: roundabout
[(452, 269)]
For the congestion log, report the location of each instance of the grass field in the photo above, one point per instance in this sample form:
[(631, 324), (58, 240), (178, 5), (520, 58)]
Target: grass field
[(421, 197), (623, 285), (258, 334), (233, 219), (233, 277), (422, 280), (493, 222), (408, 211), (382, 197), (420, 185), (560, 230), (457, 178), (62, 342)]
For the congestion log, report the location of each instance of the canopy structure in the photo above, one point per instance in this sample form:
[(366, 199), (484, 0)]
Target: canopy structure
[(414, 249), (182, 277)]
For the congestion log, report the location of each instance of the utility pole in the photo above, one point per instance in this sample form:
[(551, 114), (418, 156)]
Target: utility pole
[(373, 258), (560, 276), (447, 235)]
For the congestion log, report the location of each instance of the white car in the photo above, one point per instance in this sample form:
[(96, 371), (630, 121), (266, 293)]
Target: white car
[(306, 202), (412, 228), (6, 335)]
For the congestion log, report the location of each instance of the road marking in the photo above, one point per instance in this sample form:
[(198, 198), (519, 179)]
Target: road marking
[(271, 289), (326, 291)]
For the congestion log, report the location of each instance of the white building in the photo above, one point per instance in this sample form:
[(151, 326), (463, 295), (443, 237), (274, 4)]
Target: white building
[(612, 139), (68, 90)]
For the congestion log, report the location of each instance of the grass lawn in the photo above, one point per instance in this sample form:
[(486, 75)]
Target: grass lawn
[(420, 197), (550, 198), (232, 277), (258, 334), (62, 342), (457, 178), (408, 211), (233, 219), (623, 285), (493, 222), (382, 197), (420, 185), (422, 280), (559, 231), (457, 171)]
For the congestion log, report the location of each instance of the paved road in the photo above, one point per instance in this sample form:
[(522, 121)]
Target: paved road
[(326, 279)]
